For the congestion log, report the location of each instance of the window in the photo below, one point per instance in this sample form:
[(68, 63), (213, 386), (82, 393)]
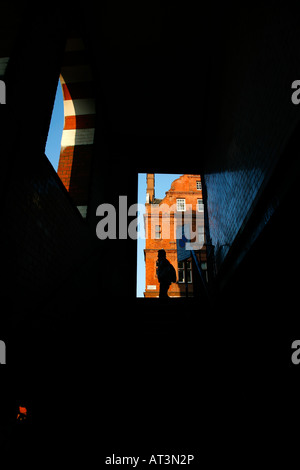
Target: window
[(157, 232), (189, 271), (200, 205), (185, 272), (199, 185), (204, 270), (180, 271), (201, 237), (181, 205)]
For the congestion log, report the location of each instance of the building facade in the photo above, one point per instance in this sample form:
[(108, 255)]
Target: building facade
[(181, 211)]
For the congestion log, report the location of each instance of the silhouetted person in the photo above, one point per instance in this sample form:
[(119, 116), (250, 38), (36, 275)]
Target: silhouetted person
[(166, 274)]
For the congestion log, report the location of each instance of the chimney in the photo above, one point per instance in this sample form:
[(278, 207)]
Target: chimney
[(150, 188)]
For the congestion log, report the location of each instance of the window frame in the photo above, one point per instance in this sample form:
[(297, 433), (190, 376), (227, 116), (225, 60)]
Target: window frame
[(178, 203), (186, 272), (200, 204), (201, 232), (189, 275), (157, 232), (181, 270)]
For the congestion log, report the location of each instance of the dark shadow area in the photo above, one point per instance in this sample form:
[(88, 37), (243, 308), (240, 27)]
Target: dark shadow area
[(81, 174), (102, 370)]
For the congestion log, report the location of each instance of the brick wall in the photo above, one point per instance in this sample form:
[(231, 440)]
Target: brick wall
[(258, 127), (74, 167), (159, 214)]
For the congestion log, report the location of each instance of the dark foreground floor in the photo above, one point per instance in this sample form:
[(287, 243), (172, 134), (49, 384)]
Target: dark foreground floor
[(158, 380)]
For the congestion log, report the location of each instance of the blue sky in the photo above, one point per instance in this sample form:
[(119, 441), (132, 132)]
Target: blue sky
[(53, 144), (162, 181), (162, 184)]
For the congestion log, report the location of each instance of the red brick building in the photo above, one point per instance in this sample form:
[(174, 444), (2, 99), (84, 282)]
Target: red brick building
[(164, 218)]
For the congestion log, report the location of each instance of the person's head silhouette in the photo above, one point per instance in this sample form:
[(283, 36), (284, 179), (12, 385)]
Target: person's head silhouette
[(161, 254)]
